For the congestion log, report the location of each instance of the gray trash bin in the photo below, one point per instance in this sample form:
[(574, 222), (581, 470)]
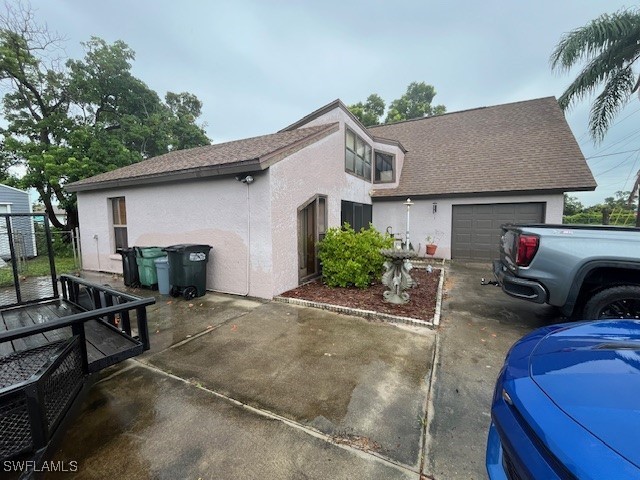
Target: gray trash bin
[(162, 267)]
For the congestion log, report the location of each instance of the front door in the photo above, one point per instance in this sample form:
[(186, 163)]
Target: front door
[(311, 224)]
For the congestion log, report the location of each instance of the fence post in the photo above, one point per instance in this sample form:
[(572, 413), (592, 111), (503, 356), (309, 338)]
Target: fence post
[(73, 247), (79, 247), (14, 260)]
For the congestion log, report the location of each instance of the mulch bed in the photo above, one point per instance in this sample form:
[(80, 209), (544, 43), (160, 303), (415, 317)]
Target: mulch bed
[(422, 302)]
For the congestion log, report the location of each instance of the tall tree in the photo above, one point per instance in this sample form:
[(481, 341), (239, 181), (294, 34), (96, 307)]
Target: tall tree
[(74, 119), (572, 205), (608, 47), (415, 103), (634, 196), (369, 112)]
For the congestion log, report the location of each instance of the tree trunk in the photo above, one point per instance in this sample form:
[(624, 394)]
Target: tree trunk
[(72, 218)]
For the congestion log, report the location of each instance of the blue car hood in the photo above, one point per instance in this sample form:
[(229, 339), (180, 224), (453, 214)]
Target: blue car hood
[(592, 372)]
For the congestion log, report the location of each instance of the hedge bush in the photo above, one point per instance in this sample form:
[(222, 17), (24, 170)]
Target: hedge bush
[(595, 218), (352, 258)]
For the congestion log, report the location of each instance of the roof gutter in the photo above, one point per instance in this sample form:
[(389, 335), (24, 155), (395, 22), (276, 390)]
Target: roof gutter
[(416, 196)]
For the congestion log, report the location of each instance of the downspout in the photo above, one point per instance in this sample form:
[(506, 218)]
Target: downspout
[(247, 180)]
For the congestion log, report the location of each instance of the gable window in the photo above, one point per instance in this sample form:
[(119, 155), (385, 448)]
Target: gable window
[(358, 215), (357, 156), (385, 168), (119, 222)]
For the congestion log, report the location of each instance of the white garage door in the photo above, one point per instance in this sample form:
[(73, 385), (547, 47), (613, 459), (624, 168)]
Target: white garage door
[(475, 231)]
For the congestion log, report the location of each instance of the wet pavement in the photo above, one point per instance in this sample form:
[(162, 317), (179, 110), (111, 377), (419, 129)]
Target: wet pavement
[(240, 388), (237, 388), (478, 326)]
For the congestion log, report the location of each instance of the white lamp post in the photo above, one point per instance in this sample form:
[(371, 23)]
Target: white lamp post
[(408, 203)]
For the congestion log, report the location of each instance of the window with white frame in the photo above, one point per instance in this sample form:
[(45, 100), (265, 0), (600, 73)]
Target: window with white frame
[(119, 222), (357, 156)]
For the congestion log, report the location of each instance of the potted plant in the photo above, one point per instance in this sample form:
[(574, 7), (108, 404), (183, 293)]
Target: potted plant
[(430, 246), (432, 243)]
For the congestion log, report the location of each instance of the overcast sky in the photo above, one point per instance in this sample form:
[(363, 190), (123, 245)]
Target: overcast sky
[(260, 65)]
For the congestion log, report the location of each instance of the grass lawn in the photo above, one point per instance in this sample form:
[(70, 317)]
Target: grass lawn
[(36, 267)]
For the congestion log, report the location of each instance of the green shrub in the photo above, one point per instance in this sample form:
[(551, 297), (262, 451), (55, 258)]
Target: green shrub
[(352, 258), (595, 218)]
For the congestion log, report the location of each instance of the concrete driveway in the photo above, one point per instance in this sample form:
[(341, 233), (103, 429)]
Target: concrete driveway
[(479, 324), (235, 388)]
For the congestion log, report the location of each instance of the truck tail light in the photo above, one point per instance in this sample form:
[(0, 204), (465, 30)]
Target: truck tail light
[(527, 248)]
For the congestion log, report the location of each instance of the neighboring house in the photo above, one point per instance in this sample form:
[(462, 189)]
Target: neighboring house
[(13, 200), (264, 202), (60, 213)]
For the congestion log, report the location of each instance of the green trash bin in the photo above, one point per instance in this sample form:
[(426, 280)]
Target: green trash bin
[(188, 269), (145, 258)]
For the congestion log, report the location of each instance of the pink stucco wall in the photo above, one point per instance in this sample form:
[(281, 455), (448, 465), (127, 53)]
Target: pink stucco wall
[(316, 170), (232, 217), (258, 232), (424, 222)]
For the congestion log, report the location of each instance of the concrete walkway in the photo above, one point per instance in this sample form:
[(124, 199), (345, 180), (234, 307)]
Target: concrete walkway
[(236, 388)]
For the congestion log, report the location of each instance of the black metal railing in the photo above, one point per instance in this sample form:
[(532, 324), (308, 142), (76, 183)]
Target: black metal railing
[(37, 385)]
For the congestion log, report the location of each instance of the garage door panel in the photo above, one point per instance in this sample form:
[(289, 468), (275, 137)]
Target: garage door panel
[(463, 224), (504, 209), (528, 208), (480, 209), (476, 227), (483, 224)]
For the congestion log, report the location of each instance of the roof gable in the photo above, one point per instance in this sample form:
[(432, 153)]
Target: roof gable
[(522, 146), (340, 105)]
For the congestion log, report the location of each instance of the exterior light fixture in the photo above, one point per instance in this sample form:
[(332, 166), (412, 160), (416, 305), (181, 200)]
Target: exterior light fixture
[(435, 207)]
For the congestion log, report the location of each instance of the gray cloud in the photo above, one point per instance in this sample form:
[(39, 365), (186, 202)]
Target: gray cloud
[(260, 65)]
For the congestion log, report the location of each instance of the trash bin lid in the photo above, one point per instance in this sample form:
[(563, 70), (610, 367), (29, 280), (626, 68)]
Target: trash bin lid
[(150, 252), (183, 247), (161, 260)]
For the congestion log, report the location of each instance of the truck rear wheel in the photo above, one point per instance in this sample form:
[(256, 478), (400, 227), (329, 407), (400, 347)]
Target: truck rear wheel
[(616, 302)]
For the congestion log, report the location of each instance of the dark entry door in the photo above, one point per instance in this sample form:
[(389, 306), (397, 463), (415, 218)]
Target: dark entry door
[(307, 235), (311, 224)]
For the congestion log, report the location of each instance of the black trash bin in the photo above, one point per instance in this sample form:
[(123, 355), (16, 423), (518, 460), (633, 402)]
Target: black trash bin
[(129, 267), (188, 269)]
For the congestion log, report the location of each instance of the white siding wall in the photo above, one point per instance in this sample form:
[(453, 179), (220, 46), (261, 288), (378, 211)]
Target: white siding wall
[(212, 212), (424, 222)]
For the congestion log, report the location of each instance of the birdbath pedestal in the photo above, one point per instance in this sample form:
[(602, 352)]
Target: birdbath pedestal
[(396, 275)]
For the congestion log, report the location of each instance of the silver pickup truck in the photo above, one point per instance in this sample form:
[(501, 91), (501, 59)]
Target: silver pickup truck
[(589, 272)]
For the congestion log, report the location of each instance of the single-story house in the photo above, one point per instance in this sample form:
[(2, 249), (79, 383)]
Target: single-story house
[(264, 202), (14, 200)]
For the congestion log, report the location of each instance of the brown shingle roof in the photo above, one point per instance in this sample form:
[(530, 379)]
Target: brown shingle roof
[(523, 146), (245, 155)]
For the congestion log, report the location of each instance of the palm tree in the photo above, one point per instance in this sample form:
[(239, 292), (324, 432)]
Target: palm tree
[(609, 45)]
